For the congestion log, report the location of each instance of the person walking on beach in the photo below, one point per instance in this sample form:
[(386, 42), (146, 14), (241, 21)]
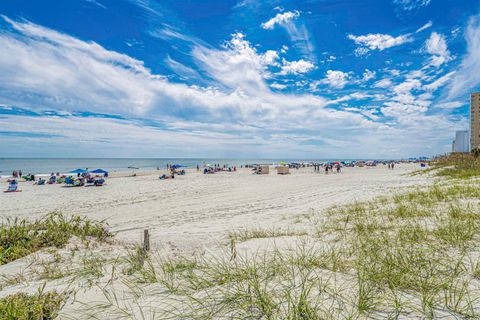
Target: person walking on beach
[(326, 169), (393, 165), (338, 168), (198, 168), (389, 166)]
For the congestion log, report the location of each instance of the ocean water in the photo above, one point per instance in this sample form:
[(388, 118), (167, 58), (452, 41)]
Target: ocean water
[(65, 165)]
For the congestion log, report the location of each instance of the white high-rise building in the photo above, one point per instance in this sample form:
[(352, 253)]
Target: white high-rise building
[(461, 143)]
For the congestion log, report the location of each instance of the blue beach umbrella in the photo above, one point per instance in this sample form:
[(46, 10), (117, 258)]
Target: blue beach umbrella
[(79, 171), (101, 171)]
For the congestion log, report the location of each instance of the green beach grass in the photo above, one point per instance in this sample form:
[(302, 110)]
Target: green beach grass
[(21, 237), (39, 306)]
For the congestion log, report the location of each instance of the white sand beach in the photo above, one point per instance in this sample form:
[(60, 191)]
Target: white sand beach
[(196, 211), (189, 216)]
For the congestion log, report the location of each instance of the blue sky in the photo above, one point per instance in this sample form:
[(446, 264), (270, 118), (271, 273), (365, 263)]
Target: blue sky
[(250, 79)]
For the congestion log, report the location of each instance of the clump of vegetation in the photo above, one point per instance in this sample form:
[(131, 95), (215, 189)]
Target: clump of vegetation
[(248, 234), (459, 165), (40, 306), (21, 237)]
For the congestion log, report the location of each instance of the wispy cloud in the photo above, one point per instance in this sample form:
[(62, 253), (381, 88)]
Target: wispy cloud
[(426, 26), (298, 32), (468, 75), (409, 5)]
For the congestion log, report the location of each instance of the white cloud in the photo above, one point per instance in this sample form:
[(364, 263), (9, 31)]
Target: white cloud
[(407, 86), (437, 47), (297, 32), (439, 82), (296, 67), (451, 105), (368, 75), (402, 110), (361, 51), (409, 5), (238, 66), (180, 69), (270, 58), (281, 19), (378, 41), (278, 86), (336, 79), (424, 27), (384, 83)]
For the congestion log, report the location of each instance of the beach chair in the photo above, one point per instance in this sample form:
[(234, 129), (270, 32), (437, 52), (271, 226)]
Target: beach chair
[(99, 182)]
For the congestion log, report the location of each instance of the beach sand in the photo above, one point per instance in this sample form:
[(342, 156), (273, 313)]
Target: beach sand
[(197, 211), (191, 215)]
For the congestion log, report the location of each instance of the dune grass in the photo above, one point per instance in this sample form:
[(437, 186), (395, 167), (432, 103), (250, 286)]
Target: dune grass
[(261, 233), (458, 166), (21, 237), (38, 306)]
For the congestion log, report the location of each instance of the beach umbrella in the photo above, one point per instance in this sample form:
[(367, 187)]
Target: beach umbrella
[(283, 163), (79, 171), (101, 171)]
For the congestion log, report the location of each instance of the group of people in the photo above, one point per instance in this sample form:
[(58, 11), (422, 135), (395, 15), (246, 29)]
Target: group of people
[(218, 168), (82, 179), (391, 165), (329, 167), (173, 171), (17, 174)]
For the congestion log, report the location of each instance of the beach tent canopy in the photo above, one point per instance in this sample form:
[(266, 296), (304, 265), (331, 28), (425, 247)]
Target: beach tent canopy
[(99, 171), (79, 171)]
